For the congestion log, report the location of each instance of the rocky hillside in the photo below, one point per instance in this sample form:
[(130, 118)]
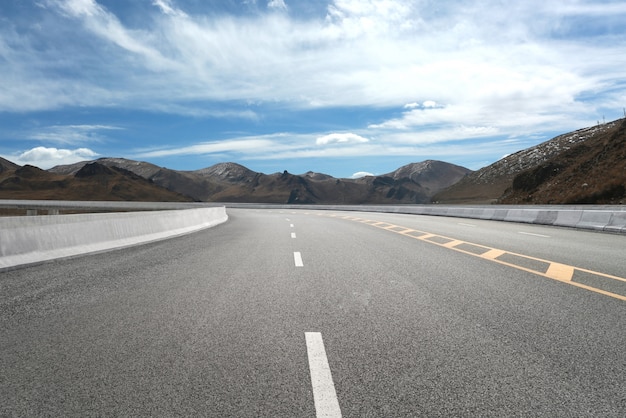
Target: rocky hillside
[(6, 165), (592, 170), (93, 181), (489, 184)]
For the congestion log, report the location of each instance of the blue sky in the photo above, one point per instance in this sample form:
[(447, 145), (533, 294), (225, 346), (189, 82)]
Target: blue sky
[(339, 87)]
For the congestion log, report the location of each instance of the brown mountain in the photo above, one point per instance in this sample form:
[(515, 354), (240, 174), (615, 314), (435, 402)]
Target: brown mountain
[(495, 183), (93, 181), (430, 175), (591, 171), (185, 182), (231, 182), (235, 183), (6, 165)]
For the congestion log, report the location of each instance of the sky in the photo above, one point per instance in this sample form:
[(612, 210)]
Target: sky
[(342, 87)]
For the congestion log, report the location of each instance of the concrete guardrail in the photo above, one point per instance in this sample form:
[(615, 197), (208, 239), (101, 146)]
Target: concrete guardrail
[(593, 217), (35, 239)]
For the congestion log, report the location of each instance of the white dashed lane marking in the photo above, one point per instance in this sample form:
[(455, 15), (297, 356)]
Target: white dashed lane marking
[(297, 258), (534, 235), (324, 395)]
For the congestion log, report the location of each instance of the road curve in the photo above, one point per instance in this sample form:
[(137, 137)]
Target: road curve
[(305, 313)]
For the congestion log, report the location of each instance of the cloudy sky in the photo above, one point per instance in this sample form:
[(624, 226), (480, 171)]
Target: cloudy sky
[(339, 87)]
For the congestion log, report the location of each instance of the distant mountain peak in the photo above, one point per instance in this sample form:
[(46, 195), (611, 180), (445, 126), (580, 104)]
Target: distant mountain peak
[(317, 176), (415, 170), (30, 171), (93, 169), (229, 171), (433, 175), (6, 165)]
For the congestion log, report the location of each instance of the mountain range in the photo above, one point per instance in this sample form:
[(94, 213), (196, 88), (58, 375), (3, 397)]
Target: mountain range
[(584, 166), (231, 182)]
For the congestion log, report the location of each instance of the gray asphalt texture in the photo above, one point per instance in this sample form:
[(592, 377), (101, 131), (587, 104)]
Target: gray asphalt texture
[(212, 324)]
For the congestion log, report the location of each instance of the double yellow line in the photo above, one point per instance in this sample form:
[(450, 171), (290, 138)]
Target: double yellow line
[(550, 269)]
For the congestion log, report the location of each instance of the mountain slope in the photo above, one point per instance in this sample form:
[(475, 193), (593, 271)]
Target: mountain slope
[(141, 168), (591, 171), (489, 184), (93, 181), (6, 165), (185, 182), (431, 175)]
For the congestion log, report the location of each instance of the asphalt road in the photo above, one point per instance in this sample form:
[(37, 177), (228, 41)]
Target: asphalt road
[(405, 315)]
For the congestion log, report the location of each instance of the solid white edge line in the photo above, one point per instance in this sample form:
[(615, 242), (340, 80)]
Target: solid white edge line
[(297, 258), (324, 395)]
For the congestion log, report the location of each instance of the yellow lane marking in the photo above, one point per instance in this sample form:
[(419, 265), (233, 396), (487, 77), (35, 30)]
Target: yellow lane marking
[(453, 244), (492, 254), (424, 237), (380, 224), (559, 271), (556, 271)]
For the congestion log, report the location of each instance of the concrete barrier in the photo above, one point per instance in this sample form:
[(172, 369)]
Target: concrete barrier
[(528, 216), (568, 218), (28, 240), (546, 217), (592, 217), (617, 223)]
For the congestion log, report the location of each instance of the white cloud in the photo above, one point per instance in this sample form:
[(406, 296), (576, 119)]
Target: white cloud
[(360, 174), (460, 70), (580, 9), (72, 134), (362, 53), (243, 145), (106, 25), (340, 138), (45, 158), (433, 144), (277, 5), (167, 8)]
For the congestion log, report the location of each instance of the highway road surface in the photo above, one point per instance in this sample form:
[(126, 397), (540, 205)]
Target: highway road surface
[(281, 313)]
